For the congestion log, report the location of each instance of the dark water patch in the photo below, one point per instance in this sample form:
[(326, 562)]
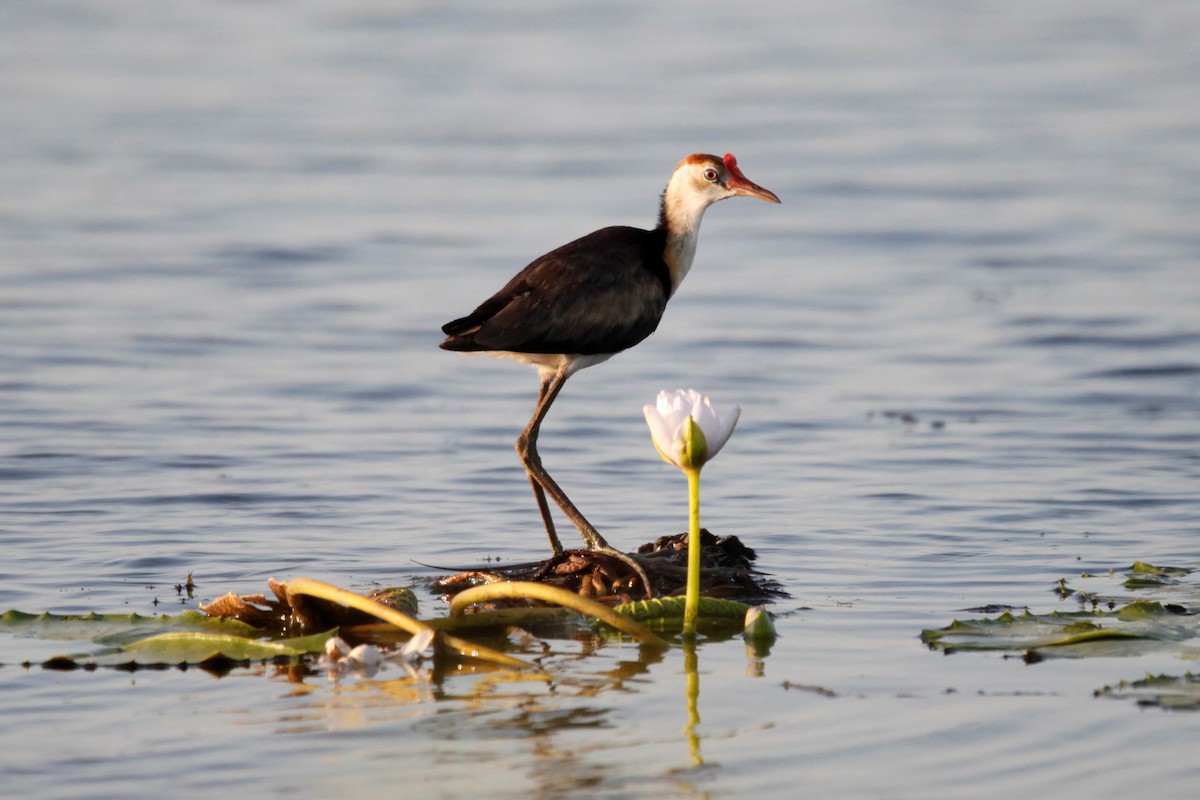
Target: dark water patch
[(337, 165), (423, 241), (1148, 371), (855, 189), (45, 465), (1135, 342), (113, 225), (276, 255), (1133, 402), (1134, 500), (907, 238), (10, 474), (324, 308), (183, 161), (972, 412), (226, 499), (197, 462), (163, 344), (51, 510), (388, 394), (1037, 516), (763, 343), (1039, 320), (962, 359), (370, 395), (151, 565), (1042, 262), (59, 359), (1081, 506), (904, 497)]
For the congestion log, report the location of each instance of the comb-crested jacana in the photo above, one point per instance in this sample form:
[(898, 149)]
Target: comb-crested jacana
[(590, 299)]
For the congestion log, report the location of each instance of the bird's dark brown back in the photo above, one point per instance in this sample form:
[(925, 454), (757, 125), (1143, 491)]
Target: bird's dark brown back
[(602, 293)]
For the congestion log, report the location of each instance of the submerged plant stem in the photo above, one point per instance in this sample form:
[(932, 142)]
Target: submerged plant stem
[(691, 609), (553, 594), (334, 594)]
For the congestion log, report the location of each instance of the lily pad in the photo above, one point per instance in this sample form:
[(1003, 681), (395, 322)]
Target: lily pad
[(195, 648), (1171, 692), (1143, 576), (1128, 631), (1160, 614), (113, 628), (132, 640)]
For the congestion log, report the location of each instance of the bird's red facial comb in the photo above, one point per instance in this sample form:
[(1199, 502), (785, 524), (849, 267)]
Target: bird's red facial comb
[(731, 165)]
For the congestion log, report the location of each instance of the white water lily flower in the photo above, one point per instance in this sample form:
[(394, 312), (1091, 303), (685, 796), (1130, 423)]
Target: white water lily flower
[(686, 430)]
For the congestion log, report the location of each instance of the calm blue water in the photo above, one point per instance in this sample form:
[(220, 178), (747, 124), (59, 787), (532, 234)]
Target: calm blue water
[(229, 233)]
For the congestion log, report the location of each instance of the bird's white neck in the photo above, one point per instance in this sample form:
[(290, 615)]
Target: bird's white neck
[(682, 210)]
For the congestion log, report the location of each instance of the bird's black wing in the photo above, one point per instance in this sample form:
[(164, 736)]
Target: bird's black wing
[(602, 293)]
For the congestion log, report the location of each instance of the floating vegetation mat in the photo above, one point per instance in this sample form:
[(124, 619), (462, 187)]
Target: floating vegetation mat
[(1172, 692), (727, 571), (1142, 609), (572, 594)]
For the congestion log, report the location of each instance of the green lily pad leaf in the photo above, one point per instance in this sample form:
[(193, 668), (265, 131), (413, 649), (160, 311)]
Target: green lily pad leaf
[(174, 649), (1142, 575), (113, 628), (1161, 617), (196, 647), (136, 640), (1071, 630), (1171, 692)]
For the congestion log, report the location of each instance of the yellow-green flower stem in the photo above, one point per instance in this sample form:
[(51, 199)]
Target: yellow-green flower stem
[(553, 594), (691, 609), (334, 594)]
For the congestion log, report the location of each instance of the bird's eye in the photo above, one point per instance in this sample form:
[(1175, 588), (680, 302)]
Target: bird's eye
[(711, 175)]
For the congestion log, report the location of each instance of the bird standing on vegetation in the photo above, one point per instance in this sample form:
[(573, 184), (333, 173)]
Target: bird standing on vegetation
[(590, 299)]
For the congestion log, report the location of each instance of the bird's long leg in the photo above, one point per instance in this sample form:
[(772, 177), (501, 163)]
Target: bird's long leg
[(542, 482), (530, 435)]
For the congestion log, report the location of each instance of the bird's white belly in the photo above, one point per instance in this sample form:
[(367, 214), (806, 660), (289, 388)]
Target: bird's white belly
[(551, 363)]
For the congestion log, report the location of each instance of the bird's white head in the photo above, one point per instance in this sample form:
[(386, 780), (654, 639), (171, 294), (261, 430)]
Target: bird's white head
[(699, 181), (709, 179)]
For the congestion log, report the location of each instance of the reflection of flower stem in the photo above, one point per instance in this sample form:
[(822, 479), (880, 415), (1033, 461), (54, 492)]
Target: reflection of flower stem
[(691, 667), (691, 607)]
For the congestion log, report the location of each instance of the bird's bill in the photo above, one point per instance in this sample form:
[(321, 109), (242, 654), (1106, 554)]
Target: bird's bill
[(747, 188), (742, 185)]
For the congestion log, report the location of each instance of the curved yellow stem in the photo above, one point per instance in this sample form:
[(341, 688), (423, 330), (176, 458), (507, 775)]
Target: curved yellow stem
[(334, 594), (553, 594)]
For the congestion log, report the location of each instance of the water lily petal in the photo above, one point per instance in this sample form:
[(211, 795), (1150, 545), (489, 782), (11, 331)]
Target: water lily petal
[(662, 433), (668, 422), (715, 443)]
